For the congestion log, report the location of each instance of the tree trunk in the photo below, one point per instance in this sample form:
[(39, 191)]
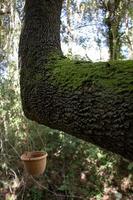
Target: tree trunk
[(114, 42), (92, 101), (115, 12), (113, 34)]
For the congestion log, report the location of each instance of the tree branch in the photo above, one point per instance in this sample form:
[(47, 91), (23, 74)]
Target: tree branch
[(92, 101)]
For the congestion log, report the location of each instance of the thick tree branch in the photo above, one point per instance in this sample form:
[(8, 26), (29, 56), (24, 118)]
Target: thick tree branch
[(92, 101)]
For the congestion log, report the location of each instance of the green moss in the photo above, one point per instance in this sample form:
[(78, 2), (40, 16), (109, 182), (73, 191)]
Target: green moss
[(38, 77), (117, 75)]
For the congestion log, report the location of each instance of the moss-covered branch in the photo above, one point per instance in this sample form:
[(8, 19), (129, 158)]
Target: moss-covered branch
[(92, 101), (116, 76)]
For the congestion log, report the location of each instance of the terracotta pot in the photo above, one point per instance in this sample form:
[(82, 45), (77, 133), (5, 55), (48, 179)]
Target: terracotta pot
[(34, 162)]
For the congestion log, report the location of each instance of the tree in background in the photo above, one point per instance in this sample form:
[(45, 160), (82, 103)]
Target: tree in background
[(106, 20), (114, 12)]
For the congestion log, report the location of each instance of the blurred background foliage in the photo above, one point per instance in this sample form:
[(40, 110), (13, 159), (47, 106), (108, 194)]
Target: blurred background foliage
[(75, 169)]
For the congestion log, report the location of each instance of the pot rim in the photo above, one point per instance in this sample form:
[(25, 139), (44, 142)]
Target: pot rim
[(27, 156)]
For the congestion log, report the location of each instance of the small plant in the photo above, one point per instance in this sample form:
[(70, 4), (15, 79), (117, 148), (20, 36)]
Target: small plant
[(34, 194)]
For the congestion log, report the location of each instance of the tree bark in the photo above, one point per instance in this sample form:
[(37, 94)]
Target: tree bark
[(92, 101)]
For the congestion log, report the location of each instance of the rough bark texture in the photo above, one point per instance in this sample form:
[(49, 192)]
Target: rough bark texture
[(90, 104)]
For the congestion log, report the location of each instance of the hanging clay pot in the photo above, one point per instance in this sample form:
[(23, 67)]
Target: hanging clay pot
[(34, 162)]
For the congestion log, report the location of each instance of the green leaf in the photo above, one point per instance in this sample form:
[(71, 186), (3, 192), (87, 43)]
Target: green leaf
[(130, 166)]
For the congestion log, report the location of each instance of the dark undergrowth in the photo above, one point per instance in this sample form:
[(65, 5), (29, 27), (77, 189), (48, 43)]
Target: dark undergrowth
[(75, 169)]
